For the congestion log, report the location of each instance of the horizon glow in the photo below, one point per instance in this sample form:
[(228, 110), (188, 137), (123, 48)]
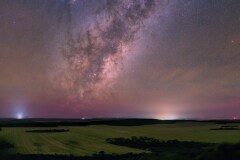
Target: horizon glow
[(165, 59), (19, 116)]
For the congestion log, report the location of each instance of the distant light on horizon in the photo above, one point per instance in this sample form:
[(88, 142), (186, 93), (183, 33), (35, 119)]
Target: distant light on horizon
[(19, 116), (167, 117), (235, 118)]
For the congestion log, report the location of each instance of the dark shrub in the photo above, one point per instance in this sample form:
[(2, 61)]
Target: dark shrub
[(48, 130)]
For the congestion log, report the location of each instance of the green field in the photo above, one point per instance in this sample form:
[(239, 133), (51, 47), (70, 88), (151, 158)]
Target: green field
[(86, 140)]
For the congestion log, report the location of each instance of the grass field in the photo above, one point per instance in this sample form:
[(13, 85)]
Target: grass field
[(86, 140)]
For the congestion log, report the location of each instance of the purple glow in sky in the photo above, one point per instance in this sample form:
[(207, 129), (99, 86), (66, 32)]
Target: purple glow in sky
[(163, 59)]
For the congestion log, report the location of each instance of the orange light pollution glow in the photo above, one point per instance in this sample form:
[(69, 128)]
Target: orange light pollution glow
[(122, 58)]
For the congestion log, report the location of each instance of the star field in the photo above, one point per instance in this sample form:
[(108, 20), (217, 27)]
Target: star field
[(120, 58)]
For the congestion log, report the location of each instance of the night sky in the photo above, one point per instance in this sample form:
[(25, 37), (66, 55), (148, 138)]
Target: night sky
[(120, 58)]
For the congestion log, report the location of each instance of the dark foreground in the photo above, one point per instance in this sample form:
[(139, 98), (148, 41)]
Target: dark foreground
[(153, 148), (157, 150)]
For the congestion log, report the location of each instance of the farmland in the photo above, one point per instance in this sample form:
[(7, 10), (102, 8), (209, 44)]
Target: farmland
[(90, 139)]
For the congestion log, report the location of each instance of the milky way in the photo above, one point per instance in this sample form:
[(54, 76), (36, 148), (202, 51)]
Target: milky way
[(93, 53), (120, 58)]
